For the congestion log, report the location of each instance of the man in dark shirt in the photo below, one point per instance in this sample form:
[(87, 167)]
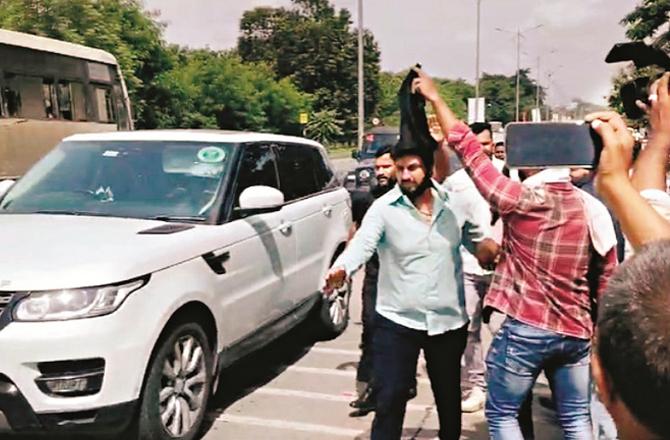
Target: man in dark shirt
[(361, 201)]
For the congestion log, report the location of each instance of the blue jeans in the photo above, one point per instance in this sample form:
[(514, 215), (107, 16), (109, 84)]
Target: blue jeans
[(518, 354)]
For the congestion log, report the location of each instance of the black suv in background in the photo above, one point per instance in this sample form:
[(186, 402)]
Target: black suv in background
[(363, 175)]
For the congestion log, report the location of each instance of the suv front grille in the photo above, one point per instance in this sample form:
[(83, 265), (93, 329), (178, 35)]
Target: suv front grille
[(5, 299)]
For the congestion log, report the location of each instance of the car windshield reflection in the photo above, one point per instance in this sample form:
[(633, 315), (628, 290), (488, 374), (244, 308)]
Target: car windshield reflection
[(163, 180)]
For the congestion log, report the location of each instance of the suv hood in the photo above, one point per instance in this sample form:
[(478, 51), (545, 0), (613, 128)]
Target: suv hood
[(44, 252)]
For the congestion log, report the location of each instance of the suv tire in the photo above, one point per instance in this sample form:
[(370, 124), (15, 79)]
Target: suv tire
[(177, 386)]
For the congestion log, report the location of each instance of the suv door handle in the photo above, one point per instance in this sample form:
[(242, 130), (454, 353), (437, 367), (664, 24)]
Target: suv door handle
[(327, 210), (286, 228)]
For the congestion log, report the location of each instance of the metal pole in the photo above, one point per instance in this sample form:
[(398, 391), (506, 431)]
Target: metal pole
[(479, 4), (537, 86), (518, 68), (361, 107)]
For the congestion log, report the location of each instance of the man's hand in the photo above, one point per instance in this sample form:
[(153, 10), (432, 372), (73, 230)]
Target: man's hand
[(334, 279), (616, 157), (488, 253), (658, 108), (425, 85)]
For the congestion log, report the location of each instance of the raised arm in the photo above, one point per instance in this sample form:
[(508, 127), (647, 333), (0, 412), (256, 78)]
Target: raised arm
[(650, 167), (639, 220), (501, 192)]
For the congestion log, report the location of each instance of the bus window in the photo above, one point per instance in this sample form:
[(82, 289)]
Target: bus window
[(11, 98), (28, 90), (49, 96), (105, 104), (65, 100)]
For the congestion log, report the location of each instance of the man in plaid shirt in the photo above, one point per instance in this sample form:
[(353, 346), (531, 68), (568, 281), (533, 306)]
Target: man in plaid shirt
[(558, 250)]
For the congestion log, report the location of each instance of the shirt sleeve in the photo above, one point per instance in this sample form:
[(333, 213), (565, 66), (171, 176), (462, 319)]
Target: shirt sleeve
[(364, 243), (477, 225), (501, 192), (605, 267)]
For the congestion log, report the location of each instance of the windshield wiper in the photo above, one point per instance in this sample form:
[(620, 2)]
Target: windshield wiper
[(178, 218), (65, 212)]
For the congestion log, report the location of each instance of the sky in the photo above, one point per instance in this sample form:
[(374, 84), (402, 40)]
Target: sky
[(572, 42)]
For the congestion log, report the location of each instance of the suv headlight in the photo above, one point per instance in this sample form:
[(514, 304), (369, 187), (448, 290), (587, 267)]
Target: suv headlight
[(61, 305)]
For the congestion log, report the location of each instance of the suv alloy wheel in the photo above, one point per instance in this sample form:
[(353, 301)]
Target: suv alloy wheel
[(178, 385)]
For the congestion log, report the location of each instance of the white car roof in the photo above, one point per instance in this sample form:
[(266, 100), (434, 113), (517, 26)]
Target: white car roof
[(190, 135), (44, 44)]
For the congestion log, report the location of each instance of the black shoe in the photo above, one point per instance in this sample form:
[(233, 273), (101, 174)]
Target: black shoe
[(364, 405)]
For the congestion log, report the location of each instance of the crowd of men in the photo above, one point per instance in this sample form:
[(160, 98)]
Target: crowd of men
[(452, 242)]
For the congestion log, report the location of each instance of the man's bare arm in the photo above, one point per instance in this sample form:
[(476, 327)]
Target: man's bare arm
[(639, 220), (650, 168)]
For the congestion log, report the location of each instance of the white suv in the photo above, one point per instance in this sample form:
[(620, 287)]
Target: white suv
[(137, 265)]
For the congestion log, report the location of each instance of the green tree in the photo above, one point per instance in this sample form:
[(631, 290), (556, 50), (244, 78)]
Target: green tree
[(217, 90), (454, 92), (313, 44), (324, 127), (647, 19), (120, 27), (500, 93)]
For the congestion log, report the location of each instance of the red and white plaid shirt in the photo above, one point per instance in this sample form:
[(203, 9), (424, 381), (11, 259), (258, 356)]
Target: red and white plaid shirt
[(548, 266)]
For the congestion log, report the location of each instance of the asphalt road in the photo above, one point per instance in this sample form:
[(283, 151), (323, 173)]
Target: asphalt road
[(298, 389)]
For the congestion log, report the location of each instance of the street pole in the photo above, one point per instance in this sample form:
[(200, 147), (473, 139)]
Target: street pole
[(518, 68), (361, 107), (518, 35), (479, 4), (537, 86)]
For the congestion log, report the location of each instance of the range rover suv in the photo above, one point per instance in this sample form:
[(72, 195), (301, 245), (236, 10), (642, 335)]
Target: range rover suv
[(136, 265)]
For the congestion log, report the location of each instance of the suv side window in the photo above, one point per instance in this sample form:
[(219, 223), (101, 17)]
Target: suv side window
[(258, 167), (297, 171), (322, 172)]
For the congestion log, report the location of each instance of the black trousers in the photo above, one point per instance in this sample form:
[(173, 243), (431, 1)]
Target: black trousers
[(396, 352)]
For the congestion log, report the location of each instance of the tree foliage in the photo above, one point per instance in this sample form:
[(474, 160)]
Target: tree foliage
[(324, 127), (500, 94), (217, 90), (313, 44), (120, 27), (647, 19)]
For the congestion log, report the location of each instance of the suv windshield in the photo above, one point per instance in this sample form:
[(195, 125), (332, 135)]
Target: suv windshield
[(147, 179), (375, 141)]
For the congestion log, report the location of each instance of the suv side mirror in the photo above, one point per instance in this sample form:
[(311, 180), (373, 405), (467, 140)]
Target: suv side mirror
[(260, 199), (5, 186)]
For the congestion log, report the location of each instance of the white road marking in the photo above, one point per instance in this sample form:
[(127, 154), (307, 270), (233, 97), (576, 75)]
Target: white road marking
[(294, 426), (326, 350), (282, 392), (333, 372)]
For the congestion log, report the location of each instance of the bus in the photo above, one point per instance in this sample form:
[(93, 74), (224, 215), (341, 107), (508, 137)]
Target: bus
[(50, 89)]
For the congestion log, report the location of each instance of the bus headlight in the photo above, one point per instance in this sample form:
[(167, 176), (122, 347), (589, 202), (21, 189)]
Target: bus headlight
[(61, 305)]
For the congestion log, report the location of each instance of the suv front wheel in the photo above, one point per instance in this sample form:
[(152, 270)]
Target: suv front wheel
[(177, 386)]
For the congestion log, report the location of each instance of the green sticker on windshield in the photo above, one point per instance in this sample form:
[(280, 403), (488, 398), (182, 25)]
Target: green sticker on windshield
[(211, 155)]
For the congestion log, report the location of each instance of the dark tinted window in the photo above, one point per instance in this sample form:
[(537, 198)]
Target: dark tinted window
[(297, 171), (322, 172), (257, 168)]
